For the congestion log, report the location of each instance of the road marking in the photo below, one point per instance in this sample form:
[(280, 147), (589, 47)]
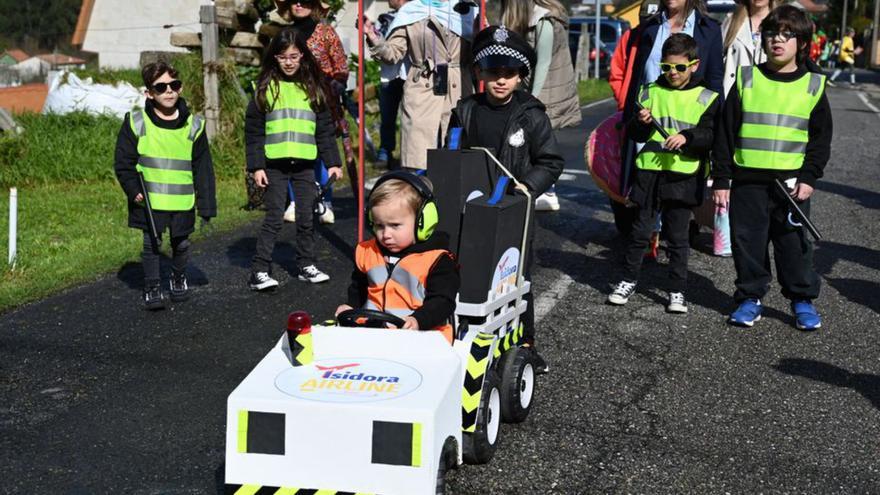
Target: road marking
[(567, 177), (596, 103), (548, 299), (864, 98), (576, 171)]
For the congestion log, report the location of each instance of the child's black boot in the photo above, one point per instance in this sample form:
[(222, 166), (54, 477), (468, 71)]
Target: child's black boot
[(179, 288), (154, 299)]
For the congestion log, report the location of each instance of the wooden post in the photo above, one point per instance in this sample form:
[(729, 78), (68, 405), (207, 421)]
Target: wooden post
[(582, 59), (362, 121), (210, 55)]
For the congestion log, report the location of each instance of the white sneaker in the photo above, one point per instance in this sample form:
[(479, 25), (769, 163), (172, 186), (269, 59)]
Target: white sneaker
[(547, 202), (290, 213), (313, 275), (622, 292), (677, 304), (327, 217), (262, 281)]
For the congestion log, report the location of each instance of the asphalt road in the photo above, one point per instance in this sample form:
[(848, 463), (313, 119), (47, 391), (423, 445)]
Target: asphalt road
[(98, 396)]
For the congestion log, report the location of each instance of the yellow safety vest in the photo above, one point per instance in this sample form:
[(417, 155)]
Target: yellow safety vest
[(290, 125)]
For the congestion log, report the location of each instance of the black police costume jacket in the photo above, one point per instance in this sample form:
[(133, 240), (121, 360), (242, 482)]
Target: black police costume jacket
[(536, 162), (126, 157)]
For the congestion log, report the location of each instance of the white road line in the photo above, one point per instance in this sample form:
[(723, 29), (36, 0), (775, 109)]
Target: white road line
[(596, 103), (576, 171), (567, 177), (548, 299), (868, 103)]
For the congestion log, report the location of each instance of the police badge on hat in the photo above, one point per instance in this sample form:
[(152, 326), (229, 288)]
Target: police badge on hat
[(500, 35), (497, 46)]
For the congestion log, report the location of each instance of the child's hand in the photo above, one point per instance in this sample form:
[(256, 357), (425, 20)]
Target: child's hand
[(341, 308), (645, 116), (802, 192), (521, 187), (260, 178), (675, 142), (409, 323), (139, 198), (721, 197), (335, 171)]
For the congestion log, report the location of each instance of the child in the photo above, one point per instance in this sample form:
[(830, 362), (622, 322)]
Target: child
[(167, 144), (669, 174), (776, 125), (514, 124), (420, 281), (287, 128)]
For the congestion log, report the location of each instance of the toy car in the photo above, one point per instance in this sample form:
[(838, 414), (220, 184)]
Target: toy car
[(358, 408)]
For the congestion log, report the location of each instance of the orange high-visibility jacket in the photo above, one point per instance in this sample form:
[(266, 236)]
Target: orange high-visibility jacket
[(400, 289)]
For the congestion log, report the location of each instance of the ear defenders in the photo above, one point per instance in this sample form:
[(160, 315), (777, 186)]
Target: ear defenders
[(426, 216)]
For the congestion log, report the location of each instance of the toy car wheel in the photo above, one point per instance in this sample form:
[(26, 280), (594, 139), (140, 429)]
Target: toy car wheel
[(517, 384), (479, 446), (448, 461)]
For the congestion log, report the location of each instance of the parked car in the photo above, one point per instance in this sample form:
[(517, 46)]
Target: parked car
[(610, 32), (720, 9)]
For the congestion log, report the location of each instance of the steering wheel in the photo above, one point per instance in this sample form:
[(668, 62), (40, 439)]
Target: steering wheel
[(369, 318)]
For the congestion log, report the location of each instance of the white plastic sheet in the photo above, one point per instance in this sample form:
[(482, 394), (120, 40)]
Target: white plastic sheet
[(75, 94)]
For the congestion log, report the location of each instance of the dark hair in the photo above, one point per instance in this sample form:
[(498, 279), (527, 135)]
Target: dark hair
[(308, 75), (154, 71), (689, 6), (680, 44), (793, 19)]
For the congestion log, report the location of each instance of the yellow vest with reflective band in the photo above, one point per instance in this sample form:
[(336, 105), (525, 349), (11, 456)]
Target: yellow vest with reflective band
[(401, 290), (290, 124), (166, 160), (775, 119), (675, 110)]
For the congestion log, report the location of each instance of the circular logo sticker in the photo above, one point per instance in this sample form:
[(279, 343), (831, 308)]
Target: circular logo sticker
[(349, 380)]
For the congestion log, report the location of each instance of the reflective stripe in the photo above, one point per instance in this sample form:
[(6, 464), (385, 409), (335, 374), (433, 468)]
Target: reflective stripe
[(408, 281), (377, 275), (290, 113), (165, 163), (290, 137), (671, 123), (176, 189), (746, 73), (771, 145), (776, 120), (705, 97), (645, 95), (137, 120), (196, 127), (815, 84)]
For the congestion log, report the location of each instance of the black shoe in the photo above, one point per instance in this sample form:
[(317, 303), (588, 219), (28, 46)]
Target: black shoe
[(154, 299), (541, 366), (262, 281), (179, 288)]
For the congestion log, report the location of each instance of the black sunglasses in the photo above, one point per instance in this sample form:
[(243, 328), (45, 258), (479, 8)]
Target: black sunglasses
[(162, 87), (784, 35)]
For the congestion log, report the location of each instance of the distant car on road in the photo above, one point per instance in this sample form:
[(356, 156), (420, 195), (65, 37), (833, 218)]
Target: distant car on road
[(610, 32), (719, 9)]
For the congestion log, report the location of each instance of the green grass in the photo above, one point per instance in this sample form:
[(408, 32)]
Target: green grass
[(592, 90), (74, 233)]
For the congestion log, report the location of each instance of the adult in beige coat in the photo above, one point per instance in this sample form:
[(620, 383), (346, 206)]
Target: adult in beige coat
[(741, 32), (428, 33)]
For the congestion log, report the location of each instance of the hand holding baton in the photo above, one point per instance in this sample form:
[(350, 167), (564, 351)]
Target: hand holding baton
[(657, 127), (795, 209), (151, 220)]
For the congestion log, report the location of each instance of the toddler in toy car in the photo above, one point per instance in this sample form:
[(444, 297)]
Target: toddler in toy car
[(406, 270)]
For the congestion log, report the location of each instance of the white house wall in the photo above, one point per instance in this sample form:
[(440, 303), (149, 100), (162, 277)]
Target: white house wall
[(119, 30)]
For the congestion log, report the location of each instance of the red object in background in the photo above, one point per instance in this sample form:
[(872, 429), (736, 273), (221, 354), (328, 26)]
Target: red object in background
[(602, 55), (298, 322)]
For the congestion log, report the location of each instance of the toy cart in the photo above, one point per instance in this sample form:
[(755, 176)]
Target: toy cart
[(337, 409)]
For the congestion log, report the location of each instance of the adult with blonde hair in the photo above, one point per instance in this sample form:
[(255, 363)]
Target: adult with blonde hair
[(742, 37), (544, 23)]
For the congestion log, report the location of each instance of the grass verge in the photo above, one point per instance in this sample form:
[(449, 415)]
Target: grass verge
[(74, 233), (591, 90)]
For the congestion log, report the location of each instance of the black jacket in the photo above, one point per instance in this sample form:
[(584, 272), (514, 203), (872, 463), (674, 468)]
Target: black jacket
[(818, 147), (441, 285), (649, 187), (255, 139), (126, 158), (536, 162)]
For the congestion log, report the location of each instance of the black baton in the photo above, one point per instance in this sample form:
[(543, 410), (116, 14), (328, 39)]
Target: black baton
[(151, 221), (796, 210)]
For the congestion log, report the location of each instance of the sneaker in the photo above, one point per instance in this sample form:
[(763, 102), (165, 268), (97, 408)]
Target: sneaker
[(621, 293), (541, 366), (748, 312), (313, 275), (179, 288), (262, 281), (154, 299), (290, 213), (327, 217), (831, 83), (381, 158), (547, 202), (806, 316), (677, 304)]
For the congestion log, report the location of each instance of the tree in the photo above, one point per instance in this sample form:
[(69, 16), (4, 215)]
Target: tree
[(40, 24)]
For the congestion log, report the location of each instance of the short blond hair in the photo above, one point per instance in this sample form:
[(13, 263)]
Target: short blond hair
[(398, 188)]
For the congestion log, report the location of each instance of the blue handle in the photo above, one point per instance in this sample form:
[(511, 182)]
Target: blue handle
[(455, 138), (498, 193)]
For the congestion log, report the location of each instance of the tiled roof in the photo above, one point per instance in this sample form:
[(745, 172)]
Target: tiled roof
[(25, 98), (61, 59), (18, 55), (82, 23)]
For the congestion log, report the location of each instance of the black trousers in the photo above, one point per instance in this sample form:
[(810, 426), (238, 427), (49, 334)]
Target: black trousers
[(302, 174), (675, 216), (758, 217), (150, 258)]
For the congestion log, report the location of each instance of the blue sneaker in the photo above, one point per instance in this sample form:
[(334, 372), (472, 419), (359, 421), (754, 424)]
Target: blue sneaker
[(806, 315), (382, 158), (748, 312)]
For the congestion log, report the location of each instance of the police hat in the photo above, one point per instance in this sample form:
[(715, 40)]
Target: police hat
[(497, 46)]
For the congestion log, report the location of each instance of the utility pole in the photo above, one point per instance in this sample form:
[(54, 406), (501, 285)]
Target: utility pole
[(598, 46), (843, 22), (210, 49), (875, 54)]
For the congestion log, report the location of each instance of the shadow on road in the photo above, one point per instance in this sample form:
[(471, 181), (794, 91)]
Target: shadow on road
[(865, 198), (861, 292), (863, 383), (242, 250), (132, 273)]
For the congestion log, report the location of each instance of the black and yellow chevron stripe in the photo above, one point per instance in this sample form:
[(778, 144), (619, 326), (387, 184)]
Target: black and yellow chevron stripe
[(479, 360), (281, 490), (301, 349), (512, 338)]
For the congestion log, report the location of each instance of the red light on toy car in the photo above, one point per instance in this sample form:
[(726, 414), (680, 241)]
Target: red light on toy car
[(299, 322)]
